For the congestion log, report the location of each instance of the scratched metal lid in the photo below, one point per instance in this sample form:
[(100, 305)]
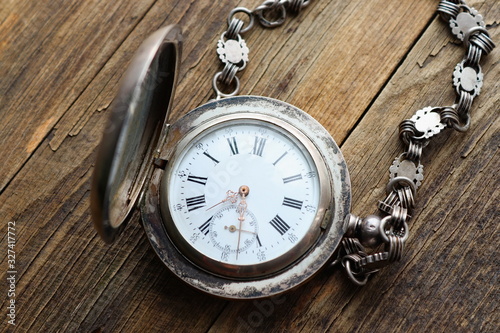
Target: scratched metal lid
[(137, 116)]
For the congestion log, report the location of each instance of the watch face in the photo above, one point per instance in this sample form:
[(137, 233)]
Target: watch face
[(243, 195)]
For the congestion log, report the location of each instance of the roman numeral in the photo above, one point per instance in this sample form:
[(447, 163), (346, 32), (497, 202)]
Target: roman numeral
[(196, 179), (280, 225), (292, 178), (258, 240), (258, 146), (195, 203), (293, 203), (210, 157), (279, 158), (205, 227), (233, 145)]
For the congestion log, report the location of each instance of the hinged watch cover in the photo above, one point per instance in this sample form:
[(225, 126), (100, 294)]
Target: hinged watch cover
[(138, 117)]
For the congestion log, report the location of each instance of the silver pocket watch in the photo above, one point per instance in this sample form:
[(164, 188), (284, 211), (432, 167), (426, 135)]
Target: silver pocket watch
[(243, 197)]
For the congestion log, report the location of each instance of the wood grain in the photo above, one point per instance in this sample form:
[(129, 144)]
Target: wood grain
[(359, 67)]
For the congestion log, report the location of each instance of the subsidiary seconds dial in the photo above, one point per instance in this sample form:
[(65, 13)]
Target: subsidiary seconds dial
[(215, 225), (233, 231)]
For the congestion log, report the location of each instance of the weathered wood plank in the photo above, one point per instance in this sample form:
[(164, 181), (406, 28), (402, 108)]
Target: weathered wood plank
[(335, 60), (50, 51)]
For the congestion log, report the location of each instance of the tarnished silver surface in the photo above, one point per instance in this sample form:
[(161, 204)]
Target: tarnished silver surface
[(228, 74), (465, 21), (448, 9), (464, 103), (428, 122), (451, 118), (467, 78), (234, 29), (480, 38), (294, 274), (365, 230), (220, 94), (414, 151), (373, 262), (396, 247), (402, 167), (136, 119), (234, 51), (368, 231), (233, 32)]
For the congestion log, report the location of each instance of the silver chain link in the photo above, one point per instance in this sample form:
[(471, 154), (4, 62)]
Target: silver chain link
[(406, 172), (232, 49)]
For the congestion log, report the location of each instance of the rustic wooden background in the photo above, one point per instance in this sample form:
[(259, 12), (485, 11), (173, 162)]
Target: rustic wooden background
[(359, 67)]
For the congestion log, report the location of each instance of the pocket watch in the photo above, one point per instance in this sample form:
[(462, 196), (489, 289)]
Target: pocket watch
[(245, 196)]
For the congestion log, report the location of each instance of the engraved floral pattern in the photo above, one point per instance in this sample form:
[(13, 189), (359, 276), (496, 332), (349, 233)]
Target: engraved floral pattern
[(402, 167), (233, 51), (466, 78), (465, 21), (427, 122)]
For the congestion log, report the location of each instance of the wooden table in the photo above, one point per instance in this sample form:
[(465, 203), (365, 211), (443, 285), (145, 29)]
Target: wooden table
[(358, 67)]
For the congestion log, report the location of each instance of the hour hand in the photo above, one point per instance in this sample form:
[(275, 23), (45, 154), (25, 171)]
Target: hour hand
[(231, 196)]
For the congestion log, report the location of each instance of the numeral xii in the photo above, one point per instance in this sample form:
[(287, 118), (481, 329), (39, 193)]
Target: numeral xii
[(258, 146)]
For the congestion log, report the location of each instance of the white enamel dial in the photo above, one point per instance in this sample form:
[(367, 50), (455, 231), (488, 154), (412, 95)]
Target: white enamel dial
[(281, 206)]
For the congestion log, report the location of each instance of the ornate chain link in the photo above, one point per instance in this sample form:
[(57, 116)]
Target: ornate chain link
[(232, 49), (406, 172)]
